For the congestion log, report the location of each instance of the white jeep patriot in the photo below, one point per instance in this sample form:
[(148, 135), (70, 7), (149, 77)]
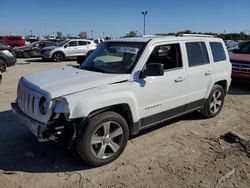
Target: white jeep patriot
[(123, 87)]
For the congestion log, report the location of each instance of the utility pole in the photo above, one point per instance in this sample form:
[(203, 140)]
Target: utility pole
[(144, 21)]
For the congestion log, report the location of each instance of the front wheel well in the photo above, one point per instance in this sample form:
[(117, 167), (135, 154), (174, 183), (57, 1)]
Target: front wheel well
[(58, 52), (122, 109)]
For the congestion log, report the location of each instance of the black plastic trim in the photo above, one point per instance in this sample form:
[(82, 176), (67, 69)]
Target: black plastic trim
[(155, 119)]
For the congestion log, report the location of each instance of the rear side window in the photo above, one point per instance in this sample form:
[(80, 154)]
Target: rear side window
[(218, 51), (82, 43), (197, 53)]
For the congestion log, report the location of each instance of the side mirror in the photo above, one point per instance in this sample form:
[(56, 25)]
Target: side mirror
[(65, 46), (153, 69)]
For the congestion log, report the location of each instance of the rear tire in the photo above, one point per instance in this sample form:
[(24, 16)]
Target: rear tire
[(58, 57), (214, 102), (102, 139), (80, 59)]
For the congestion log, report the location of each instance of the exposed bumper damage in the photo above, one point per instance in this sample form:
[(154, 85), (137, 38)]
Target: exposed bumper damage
[(44, 131)]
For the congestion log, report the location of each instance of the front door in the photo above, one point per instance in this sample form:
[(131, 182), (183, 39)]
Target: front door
[(71, 48), (161, 97)]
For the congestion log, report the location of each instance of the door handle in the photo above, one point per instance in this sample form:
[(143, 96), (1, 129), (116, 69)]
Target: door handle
[(179, 79), (208, 73)]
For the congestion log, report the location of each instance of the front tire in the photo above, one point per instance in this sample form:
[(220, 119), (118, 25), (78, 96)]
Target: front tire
[(214, 102), (58, 57), (103, 138), (3, 66)]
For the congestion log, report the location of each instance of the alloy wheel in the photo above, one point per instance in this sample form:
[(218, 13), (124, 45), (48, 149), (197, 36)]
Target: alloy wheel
[(58, 57), (216, 101), (106, 140)]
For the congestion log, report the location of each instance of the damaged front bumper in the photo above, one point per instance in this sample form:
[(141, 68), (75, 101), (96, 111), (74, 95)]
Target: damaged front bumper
[(43, 131)]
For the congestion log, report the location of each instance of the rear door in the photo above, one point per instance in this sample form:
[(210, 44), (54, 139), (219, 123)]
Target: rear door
[(199, 73), (83, 47)]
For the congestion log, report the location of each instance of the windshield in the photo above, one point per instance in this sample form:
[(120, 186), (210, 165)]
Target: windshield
[(114, 57), (62, 43), (33, 44)]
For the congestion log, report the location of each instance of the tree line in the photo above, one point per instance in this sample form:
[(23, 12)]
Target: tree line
[(225, 36)]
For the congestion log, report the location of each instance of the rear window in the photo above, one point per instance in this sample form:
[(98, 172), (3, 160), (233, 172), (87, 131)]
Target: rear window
[(217, 51), (197, 53)]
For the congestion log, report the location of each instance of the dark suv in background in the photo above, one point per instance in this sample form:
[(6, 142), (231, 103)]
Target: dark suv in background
[(7, 57), (34, 49)]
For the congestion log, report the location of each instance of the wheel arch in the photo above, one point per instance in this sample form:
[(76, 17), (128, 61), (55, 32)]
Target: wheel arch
[(3, 59), (59, 51), (123, 109), (222, 83)]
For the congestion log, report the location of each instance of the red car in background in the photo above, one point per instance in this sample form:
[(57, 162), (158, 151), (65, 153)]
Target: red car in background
[(13, 41), (240, 60)]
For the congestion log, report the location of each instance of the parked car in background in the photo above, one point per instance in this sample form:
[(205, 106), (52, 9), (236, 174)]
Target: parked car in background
[(240, 59), (13, 41), (231, 45), (68, 49), (52, 37), (7, 57), (31, 37), (34, 49), (98, 40)]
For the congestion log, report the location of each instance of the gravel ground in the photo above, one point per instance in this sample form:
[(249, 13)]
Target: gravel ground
[(186, 152)]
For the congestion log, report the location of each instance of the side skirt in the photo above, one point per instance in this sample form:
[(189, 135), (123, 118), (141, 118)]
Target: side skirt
[(156, 119)]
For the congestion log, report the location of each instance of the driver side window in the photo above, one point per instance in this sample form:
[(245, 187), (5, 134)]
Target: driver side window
[(169, 55)]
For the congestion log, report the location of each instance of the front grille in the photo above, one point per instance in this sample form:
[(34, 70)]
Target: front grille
[(26, 100), (241, 67)]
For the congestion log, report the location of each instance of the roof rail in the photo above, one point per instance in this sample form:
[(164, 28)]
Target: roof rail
[(195, 35)]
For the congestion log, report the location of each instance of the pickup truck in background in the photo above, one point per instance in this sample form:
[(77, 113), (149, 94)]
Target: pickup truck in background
[(240, 59)]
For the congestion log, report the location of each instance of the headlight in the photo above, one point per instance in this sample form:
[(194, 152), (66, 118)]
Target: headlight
[(44, 105), (7, 52)]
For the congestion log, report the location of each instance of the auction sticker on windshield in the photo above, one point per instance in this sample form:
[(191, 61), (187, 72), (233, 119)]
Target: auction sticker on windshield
[(130, 50)]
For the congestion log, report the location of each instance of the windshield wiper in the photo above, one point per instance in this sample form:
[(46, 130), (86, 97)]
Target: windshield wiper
[(93, 69)]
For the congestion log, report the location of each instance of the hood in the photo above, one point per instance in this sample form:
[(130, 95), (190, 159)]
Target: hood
[(68, 80)]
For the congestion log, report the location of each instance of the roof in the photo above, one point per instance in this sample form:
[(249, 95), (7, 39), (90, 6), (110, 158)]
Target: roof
[(164, 38)]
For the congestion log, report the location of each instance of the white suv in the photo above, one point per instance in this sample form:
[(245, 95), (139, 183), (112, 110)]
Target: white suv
[(68, 48), (123, 87)]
